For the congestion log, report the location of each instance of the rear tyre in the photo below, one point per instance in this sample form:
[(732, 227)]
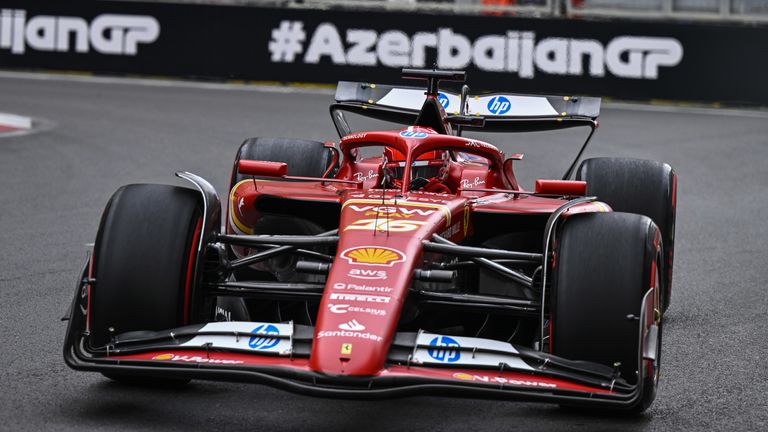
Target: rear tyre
[(144, 261), (605, 264), (638, 186), (305, 158)]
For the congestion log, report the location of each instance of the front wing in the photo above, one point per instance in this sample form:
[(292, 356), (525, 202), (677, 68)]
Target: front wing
[(418, 364)]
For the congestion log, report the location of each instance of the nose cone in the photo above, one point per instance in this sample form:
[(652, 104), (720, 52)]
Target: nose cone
[(357, 318), (379, 246), (352, 349)]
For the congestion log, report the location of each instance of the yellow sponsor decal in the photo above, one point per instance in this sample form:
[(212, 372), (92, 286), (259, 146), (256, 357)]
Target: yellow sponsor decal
[(233, 205), (401, 204), (163, 357), (373, 255), (391, 225), (346, 349), (463, 376), (466, 220)]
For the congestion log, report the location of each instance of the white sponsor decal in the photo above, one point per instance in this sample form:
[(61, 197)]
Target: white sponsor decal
[(365, 288), (363, 177), (368, 274), (354, 136), (360, 297), (514, 51), (252, 336), (352, 326), (466, 351), (452, 231), (344, 308), (466, 184), (106, 34), (518, 52), (349, 334)]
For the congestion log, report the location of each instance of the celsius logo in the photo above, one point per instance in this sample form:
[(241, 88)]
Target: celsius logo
[(512, 51), (443, 99), (444, 349), (263, 342), (499, 105), (412, 134), (106, 34)]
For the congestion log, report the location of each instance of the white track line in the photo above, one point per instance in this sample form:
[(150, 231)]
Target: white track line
[(266, 88), (15, 121)]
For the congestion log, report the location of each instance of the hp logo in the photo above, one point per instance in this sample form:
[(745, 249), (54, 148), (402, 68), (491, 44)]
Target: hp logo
[(412, 134), (499, 105), (263, 342), (444, 349), (443, 99)]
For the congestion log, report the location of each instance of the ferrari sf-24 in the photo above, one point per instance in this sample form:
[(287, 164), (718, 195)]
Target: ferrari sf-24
[(392, 263)]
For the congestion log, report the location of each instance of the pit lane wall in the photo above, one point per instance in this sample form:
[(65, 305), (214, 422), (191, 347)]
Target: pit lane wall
[(702, 62)]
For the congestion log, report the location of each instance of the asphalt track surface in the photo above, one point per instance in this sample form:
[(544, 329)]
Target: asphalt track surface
[(54, 184)]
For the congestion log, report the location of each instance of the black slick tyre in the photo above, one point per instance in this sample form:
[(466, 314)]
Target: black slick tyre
[(605, 265), (638, 186), (143, 261), (305, 158)]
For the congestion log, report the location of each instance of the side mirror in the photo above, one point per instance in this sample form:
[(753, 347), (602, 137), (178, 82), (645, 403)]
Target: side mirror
[(262, 168), (561, 187)]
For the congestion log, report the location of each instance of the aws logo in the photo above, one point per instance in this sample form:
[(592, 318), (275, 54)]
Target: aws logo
[(368, 274)]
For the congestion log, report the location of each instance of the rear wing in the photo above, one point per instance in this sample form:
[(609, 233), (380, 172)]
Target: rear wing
[(502, 112)]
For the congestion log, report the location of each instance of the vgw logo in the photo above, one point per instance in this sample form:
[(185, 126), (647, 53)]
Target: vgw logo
[(262, 341), (412, 134), (443, 99), (499, 105), (107, 33), (444, 349)]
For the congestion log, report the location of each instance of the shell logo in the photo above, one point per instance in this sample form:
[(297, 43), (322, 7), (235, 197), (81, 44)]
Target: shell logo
[(373, 255), (463, 376), (163, 357)]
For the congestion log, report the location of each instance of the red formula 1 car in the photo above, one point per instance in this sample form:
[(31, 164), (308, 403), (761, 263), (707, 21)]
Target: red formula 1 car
[(397, 262)]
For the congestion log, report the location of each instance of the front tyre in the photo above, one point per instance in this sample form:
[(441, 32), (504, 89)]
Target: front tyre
[(605, 267), (144, 261)]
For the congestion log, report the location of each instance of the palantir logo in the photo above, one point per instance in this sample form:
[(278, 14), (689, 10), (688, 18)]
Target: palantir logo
[(444, 349), (443, 99), (413, 134), (499, 105), (262, 341)]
